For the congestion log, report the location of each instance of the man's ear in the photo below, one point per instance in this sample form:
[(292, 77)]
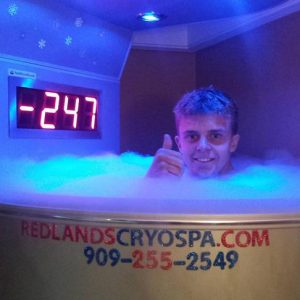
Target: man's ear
[(178, 142), (234, 142)]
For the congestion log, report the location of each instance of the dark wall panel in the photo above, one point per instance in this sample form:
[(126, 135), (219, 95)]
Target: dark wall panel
[(261, 69), (151, 84)]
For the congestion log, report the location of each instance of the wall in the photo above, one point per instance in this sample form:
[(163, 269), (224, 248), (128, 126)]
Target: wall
[(52, 32), (151, 84), (64, 46), (43, 146), (261, 69)]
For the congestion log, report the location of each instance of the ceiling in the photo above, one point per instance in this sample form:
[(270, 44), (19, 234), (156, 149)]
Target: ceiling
[(123, 12)]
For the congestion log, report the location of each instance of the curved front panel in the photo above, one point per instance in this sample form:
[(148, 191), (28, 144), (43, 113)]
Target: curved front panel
[(64, 256)]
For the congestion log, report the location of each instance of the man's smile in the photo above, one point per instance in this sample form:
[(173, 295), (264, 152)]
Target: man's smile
[(203, 159)]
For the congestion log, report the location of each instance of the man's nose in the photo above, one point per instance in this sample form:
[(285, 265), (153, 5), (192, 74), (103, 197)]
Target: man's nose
[(203, 144)]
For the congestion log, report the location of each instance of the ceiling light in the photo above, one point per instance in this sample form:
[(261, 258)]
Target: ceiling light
[(150, 16)]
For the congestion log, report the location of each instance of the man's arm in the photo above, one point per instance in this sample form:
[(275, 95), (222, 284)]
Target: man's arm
[(167, 162)]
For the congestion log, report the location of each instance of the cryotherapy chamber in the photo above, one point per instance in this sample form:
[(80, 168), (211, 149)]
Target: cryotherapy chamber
[(123, 237)]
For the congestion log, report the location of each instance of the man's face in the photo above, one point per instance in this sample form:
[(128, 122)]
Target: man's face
[(206, 144)]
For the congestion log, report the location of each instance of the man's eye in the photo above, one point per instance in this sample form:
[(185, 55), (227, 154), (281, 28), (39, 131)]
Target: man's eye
[(216, 136), (192, 137)]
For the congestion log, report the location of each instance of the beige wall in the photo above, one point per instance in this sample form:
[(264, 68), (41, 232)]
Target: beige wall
[(260, 68)]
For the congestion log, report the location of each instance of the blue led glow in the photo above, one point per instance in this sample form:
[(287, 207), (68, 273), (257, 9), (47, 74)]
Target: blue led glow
[(149, 17), (117, 184), (27, 82)]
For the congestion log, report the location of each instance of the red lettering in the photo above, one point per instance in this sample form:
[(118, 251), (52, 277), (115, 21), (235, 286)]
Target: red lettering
[(34, 229), (55, 235), (81, 234), (96, 235), (239, 241), (224, 239), (110, 233), (45, 231), (257, 239), (68, 233), (25, 228)]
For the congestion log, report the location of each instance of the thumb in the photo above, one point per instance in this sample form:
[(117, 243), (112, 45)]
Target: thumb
[(167, 144)]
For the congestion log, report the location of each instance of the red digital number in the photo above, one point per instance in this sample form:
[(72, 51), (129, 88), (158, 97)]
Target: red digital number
[(53, 110), (49, 110), (94, 110), (73, 112)]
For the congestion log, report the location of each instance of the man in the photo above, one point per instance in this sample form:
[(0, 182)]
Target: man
[(207, 135)]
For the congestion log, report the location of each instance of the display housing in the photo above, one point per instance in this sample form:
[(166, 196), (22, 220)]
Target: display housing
[(40, 109)]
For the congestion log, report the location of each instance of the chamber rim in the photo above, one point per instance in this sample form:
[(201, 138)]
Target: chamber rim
[(15, 211)]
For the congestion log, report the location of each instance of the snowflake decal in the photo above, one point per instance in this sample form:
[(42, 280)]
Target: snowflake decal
[(42, 43), (78, 22), (68, 40), (13, 9)]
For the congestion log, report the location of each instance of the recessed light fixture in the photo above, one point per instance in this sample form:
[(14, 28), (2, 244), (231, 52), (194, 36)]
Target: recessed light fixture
[(150, 16)]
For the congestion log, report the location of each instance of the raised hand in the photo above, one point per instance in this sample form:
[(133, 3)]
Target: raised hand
[(166, 162)]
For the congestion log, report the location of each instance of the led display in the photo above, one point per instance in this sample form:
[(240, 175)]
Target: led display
[(47, 109)]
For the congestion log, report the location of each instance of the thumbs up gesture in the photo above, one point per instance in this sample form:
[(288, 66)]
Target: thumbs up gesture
[(167, 162)]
